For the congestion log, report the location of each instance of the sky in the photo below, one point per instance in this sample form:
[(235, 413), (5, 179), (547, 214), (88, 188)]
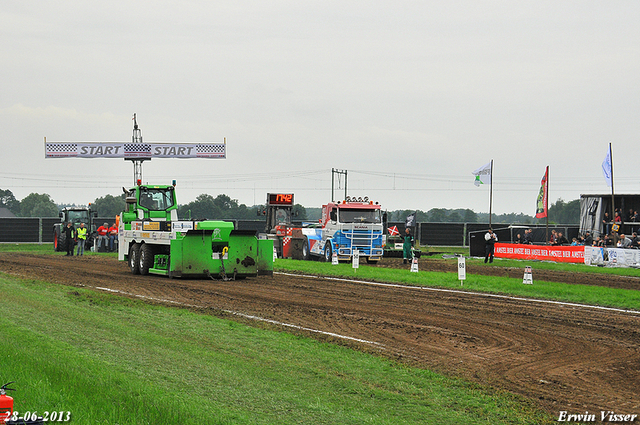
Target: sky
[(409, 97)]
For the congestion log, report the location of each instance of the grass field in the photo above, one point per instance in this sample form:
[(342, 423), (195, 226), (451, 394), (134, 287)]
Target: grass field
[(107, 359), (584, 294)]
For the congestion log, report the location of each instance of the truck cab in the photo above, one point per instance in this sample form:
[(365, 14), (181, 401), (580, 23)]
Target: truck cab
[(349, 225)]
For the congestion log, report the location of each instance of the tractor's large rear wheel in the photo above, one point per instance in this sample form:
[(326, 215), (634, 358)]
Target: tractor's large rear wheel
[(59, 241), (146, 258), (134, 258)]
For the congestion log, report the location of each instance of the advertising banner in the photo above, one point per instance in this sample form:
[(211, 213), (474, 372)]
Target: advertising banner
[(562, 254), (611, 257), (135, 150)]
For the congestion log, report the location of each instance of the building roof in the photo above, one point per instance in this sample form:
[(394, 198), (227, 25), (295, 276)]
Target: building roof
[(4, 212)]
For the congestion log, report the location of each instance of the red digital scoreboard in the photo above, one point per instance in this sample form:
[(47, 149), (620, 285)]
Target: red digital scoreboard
[(280, 199)]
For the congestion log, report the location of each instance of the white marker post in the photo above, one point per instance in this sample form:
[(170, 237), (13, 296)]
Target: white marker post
[(414, 265), (462, 270), (355, 263), (528, 276)]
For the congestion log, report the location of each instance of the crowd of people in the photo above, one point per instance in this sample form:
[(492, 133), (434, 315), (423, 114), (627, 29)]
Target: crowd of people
[(612, 234), (76, 238)]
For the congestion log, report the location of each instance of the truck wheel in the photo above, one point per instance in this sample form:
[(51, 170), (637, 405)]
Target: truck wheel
[(146, 258), (305, 249), (327, 252), (134, 254)]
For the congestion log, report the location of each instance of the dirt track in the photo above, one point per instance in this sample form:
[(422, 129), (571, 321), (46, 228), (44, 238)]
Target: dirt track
[(563, 357)]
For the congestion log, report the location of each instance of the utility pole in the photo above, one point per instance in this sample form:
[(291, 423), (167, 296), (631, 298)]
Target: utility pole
[(333, 173)]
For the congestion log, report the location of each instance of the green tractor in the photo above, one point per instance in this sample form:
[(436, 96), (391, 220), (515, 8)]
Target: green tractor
[(76, 215), (153, 240)]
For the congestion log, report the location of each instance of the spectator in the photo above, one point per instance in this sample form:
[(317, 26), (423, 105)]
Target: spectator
[(624, 241), (561, 240), (635, 241), (102, 236), (574, 242), (489, 247), (528, 236), (606, 223), (634, 219), (69, 233), (617, 223), (554, 237), (588, 240), (81, 238), (113, 237), (518, 239)]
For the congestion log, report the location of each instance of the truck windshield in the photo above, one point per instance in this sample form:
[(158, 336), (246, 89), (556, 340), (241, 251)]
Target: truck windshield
[(283, 216), (359, 216), (156, 199)]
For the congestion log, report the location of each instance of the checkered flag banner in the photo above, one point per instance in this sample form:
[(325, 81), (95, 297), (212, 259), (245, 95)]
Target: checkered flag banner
[(61, 150), (135, 151), (211, 150)]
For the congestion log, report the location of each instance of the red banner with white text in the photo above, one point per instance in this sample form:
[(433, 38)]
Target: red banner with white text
[(562, 254)]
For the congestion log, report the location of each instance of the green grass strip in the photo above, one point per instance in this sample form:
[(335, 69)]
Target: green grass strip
[(583, 294), (111, 360)]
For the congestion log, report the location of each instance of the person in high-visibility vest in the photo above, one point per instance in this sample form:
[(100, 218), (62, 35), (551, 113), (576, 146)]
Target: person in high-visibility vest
[(81, 238)]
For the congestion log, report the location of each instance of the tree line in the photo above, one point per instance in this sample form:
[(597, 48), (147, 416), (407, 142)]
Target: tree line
[(206, 206)]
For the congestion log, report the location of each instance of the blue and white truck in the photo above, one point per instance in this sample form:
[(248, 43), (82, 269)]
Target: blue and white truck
[(345, 226)]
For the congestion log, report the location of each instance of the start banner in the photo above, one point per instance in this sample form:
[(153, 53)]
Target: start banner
[(135, 151), (562, 254)]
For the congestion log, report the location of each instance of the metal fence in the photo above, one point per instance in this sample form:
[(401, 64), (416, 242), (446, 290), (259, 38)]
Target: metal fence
[(40, 230)]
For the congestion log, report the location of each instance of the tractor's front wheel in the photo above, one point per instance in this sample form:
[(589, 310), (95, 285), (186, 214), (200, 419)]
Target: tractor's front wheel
[(146, 258), (134, 256)]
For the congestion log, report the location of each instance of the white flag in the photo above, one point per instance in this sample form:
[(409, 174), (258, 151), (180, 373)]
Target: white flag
[(606, 168), (483, 175)]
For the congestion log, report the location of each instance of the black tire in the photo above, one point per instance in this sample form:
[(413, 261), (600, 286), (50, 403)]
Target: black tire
[(59, 241), (327, 252), (134, 257), (146, 258), (88, 243), (305, 249)]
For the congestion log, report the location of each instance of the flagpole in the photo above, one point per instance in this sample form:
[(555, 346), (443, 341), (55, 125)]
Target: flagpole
[(546, 205), (490, 193), (613, 202)]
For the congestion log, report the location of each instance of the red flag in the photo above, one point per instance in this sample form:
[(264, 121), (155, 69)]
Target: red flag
[(393, 231), (543, 196)]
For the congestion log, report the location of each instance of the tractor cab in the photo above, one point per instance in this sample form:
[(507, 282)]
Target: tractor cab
[(156, 203)]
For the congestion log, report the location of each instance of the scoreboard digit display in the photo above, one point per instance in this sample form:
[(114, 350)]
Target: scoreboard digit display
[(280, 199)]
